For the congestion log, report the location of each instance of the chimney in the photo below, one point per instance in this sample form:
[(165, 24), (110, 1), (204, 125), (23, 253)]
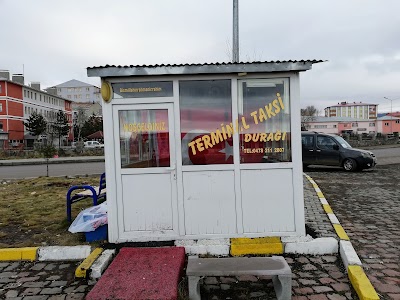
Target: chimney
[(52, 91), (35, 85), (18, 78), (5, 74)]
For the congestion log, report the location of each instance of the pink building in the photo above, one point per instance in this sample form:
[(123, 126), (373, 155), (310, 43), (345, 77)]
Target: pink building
[(388, 124), (339, 125)]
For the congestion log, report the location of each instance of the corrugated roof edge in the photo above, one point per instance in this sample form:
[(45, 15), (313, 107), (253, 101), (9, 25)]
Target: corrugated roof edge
[(314, 61), (202, 69)]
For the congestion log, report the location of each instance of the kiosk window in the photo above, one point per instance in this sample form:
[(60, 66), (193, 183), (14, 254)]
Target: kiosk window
[(264, 118), (144, 138), (205, 110)]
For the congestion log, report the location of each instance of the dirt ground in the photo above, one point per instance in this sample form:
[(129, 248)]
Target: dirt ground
[(33, 211)]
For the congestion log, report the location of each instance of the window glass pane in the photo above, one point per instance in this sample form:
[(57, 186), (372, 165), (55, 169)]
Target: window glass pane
[(144, 138), (325, 143), (206, 110), (264, 118)]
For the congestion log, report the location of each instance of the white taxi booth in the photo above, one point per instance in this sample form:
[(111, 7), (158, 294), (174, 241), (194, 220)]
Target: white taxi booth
[(203, 150)]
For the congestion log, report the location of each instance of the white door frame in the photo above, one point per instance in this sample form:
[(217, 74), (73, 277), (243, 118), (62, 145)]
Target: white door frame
[(119, 172)]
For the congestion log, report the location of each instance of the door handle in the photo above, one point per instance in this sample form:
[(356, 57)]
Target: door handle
[(171, 168), (318, 150), (311, 150)]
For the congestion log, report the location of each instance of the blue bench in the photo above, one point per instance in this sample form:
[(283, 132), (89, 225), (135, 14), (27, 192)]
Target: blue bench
[(81, 192)]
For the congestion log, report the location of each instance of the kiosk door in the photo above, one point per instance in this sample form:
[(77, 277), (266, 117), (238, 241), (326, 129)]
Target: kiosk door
[(145, 160)]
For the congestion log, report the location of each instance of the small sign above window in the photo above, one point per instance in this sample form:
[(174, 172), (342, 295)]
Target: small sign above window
[(142, 89)]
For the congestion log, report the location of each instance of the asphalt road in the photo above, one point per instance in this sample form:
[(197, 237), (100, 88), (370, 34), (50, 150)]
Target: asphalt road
[(67, 169), (387, 156)]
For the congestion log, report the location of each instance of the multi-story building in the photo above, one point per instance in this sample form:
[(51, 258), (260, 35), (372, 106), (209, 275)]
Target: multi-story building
[(340, 125), (353, 110), (77, 91), (18, 101)]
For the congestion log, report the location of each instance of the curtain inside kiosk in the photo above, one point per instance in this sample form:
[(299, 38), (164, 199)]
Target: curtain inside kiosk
[(265, 137), (144, 138)]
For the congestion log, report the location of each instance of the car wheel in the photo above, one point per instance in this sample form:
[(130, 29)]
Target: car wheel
[(349, 165)]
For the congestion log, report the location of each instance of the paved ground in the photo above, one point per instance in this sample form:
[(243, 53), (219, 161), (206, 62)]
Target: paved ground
[(368, 207), (320, 277), (41, 281)]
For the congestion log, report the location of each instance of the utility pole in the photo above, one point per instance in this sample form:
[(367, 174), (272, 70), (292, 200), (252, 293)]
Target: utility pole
[(235, 39), (391, 114)]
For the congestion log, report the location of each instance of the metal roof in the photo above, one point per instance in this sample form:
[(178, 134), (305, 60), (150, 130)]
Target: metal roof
[(320, 119), (205, 68), (73, 83), (387, 118)]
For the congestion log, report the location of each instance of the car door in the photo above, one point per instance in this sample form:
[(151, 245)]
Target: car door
[(327, 151), (308, 148)]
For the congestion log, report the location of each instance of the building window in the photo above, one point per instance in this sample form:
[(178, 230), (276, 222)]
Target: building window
[(69, 96), (26, 109), (386, 124), (35, 97), (87, 89), (59, 90), (24, 93), (321, 126), (75, 96), (1, 126), (87, 96), (40, 97), (334, 126), (1, 107), (354, 124), (371, 124)]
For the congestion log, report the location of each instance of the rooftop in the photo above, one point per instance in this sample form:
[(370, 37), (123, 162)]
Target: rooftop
[(205, 68), (72, 83)]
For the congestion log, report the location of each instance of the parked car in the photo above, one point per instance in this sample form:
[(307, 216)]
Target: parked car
[(333, 150), (93, 144)]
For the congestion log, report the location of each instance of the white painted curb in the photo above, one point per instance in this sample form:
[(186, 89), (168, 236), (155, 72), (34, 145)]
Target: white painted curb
[(101, 263), (348, 254), (59, 253), (319, 246), (217, 247)]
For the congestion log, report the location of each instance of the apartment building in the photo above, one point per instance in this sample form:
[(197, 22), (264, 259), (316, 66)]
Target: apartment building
[(340, 125), (355, 110), (77, 91), (18, 101)]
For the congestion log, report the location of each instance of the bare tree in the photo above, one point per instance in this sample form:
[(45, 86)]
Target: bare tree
[(308, 114)]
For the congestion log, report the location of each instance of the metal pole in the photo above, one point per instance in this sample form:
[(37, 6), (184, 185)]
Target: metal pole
[(235, 43)]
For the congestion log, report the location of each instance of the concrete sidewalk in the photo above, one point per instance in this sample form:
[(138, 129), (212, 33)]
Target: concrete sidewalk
[(314, 277), (59, 160)]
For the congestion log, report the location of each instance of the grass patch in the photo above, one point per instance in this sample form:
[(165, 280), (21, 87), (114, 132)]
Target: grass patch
[(33, 211)]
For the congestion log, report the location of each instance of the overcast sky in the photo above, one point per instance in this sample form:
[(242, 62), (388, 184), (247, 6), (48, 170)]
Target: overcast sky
[(57, 40)]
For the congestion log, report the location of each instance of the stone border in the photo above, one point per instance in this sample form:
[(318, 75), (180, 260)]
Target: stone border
[(50, 253), (351, 261)]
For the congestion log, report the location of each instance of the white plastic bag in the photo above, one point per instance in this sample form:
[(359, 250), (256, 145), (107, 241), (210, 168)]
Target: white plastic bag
[(90, 219)]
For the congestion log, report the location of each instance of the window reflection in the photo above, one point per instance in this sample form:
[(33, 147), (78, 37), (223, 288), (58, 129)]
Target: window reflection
[(265, 106), (144, 138), (204, 106)]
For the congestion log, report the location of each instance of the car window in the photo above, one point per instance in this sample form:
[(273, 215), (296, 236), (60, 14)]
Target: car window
[(325, 143), (307, 141)]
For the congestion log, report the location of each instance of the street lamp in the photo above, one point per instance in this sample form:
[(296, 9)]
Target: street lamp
[(391, 116)]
